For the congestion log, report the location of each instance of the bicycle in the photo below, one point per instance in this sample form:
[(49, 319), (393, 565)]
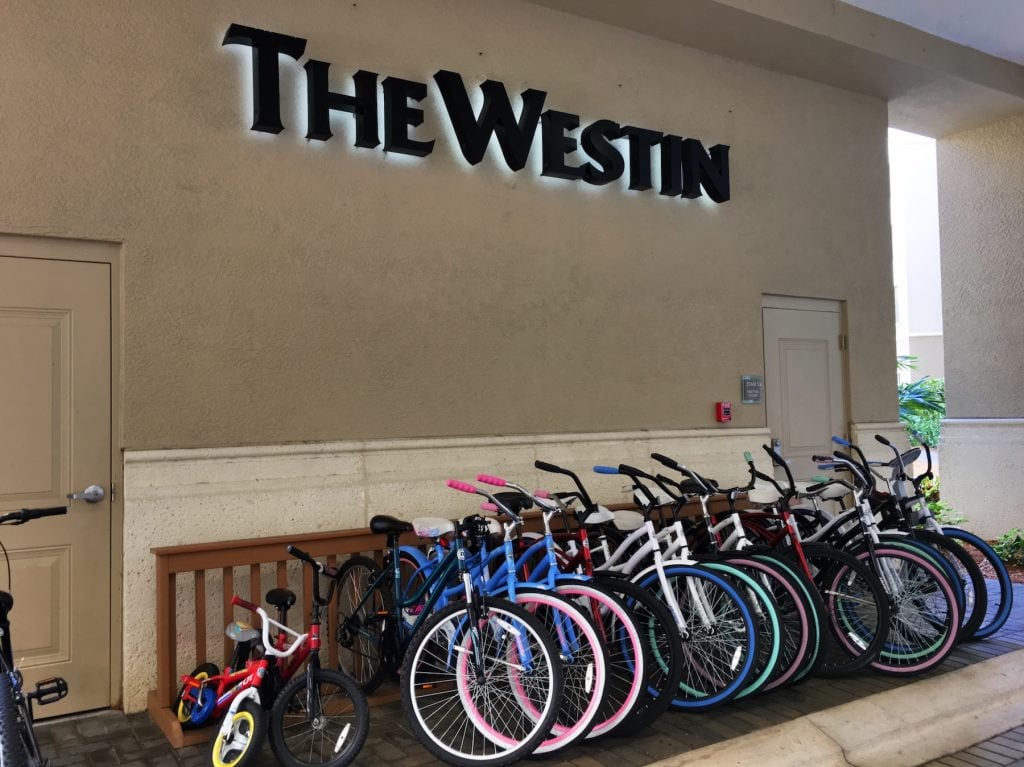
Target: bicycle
[(321, 712), (712, 617), (909, 512), (18, 744), (480, 680), (252, 683)]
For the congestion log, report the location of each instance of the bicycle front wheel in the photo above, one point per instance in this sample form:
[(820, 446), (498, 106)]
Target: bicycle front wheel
[(718, 633), (321, 718), (998, 586), (481, 685), (925, 617), (244, 738), (856, 606)]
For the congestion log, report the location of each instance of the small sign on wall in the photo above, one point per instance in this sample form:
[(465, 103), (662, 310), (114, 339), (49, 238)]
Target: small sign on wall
[(751, 388)]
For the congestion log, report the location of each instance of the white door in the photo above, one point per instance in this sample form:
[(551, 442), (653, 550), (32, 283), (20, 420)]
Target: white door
[(803, 372), (55, 439)]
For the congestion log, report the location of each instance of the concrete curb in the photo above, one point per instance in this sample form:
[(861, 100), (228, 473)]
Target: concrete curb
[(910, 725)]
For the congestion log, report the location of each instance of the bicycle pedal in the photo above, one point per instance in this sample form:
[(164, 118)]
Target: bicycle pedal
[(49, 691)]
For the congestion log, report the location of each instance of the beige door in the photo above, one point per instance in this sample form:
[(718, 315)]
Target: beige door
[(803, 386), (55, 427)]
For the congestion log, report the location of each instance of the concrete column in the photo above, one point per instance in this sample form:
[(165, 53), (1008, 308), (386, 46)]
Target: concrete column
[(981, 223)]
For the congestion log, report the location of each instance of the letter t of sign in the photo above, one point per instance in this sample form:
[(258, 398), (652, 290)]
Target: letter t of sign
[(266, 80)]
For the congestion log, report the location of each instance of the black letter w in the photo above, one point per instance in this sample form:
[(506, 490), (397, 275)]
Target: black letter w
[(474, 133)]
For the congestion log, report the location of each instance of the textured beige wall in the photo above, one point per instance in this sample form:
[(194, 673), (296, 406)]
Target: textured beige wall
[(981, 218), (277, 290)]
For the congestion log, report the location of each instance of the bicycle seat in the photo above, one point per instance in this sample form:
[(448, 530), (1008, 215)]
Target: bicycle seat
[(626, 520), (282, 599), (599, 517), (381, 524), (432, 527), (241, 632), (514, 501), (828, 492)]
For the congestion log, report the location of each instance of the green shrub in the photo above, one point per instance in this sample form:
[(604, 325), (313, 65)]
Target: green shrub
[(1010, 547), (922, 403), (939, 508)]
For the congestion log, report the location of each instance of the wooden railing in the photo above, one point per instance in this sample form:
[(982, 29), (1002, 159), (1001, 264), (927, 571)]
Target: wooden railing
[(177, 565), (181, 567)]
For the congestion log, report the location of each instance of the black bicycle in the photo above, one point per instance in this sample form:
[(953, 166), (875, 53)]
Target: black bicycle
[(18, 744)]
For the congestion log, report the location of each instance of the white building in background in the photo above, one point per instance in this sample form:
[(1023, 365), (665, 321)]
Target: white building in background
[(915, 251)]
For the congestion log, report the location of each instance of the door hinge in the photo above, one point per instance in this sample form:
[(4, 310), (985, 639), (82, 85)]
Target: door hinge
[(844, 342), (113, 491)]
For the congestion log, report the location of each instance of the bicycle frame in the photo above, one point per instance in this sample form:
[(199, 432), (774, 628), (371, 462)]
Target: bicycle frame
[(233, 687)]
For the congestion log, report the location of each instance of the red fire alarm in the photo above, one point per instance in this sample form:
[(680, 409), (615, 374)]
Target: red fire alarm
[(723, 412)]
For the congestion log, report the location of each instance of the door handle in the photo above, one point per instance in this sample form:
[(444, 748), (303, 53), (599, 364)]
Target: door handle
[(91, 494)]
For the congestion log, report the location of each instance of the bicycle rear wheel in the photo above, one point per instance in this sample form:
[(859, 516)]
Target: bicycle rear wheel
[(484, 690), (363, 624)]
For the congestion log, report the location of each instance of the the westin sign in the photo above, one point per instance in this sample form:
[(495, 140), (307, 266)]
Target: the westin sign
[(687, 169)]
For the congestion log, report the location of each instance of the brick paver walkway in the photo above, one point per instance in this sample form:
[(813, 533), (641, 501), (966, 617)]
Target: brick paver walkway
[(111, 738)]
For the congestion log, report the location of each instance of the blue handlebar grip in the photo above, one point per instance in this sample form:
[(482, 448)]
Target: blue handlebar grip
[(827, 466), (606, 470), (840, 441), (747, 456)]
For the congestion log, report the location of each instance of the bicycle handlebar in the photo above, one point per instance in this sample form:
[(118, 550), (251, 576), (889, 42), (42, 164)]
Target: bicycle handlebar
[(27, 515), (584, 495), (490, 479), (237, 600), (778, 460), (665, 461)]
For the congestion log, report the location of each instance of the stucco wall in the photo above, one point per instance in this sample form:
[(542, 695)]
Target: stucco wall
[(981, 216), (278, 290)]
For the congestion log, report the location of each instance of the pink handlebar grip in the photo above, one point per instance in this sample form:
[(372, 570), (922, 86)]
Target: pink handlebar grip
[(541, 494), (465, 487), (488, 506), (489, 479)]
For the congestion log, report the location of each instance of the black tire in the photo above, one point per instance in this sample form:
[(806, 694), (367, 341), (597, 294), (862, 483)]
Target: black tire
[(665, 666), (244, 741), (204, 670), (12, 744), (344, 708), (856, 606), (365, 632), (998, 584)]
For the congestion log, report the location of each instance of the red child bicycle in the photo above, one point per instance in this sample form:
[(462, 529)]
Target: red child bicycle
[(319, 717)]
